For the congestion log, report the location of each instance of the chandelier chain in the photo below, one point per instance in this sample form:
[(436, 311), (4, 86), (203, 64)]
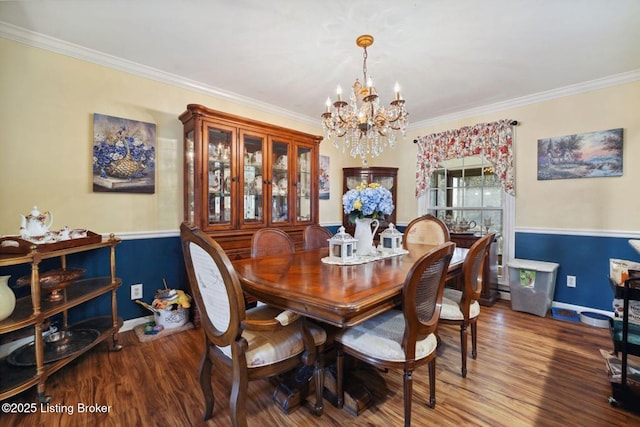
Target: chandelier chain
[(364, 64)]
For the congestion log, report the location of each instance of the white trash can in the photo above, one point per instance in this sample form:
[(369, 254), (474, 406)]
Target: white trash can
[(532, 284)]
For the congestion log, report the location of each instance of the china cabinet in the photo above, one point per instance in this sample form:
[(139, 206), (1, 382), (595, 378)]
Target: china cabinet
[(241, 175), (33, 363), (385, 176), (489, 294)]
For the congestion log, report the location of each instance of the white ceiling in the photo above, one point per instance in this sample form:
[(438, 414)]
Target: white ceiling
[(286, 55)]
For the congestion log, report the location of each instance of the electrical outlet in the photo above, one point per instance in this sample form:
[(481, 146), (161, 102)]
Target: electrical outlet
[(571, 281), (136, 291)]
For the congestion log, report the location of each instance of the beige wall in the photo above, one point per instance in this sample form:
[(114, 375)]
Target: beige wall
[(46, 126), (46, 107), (599, 204)]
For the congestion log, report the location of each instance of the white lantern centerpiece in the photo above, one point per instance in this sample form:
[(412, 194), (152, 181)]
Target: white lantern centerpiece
[(391, 240), (342, 246)]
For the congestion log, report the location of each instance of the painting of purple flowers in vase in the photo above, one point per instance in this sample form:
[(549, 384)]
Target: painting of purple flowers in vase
[(123, 155)]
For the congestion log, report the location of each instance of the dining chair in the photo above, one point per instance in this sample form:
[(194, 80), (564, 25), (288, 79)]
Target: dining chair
[(244, 345), (402, 339), (427, 230), (316, 237), (271, 241), (461, 307)]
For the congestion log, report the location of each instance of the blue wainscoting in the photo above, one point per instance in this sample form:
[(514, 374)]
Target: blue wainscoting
[(149, 260), (145, 261), (586, 257)]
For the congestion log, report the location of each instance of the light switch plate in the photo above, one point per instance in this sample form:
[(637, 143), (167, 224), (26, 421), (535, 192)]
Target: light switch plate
[(136, 291)]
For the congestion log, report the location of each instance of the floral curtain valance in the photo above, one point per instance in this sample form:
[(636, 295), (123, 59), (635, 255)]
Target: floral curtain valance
[(494, 140)]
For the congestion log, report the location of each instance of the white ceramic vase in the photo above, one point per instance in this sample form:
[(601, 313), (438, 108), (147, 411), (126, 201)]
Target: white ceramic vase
[(7, 298), (364, 235)]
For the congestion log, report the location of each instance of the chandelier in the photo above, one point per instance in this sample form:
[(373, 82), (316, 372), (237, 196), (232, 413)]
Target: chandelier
[(362, 126)]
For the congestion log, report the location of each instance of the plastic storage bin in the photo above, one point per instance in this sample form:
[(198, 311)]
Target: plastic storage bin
[(532, 284)]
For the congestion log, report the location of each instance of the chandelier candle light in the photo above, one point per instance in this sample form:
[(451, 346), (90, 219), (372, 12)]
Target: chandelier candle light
[(362, 125)]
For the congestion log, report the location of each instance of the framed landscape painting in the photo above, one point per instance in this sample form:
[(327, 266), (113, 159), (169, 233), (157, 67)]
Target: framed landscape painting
[(585, 155), (123, 155)]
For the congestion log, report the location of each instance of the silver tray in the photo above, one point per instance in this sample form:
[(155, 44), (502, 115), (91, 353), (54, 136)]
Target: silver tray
[(26, 355)]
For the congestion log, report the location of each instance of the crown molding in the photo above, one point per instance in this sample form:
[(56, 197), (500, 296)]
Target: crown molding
[(52, 44), (614, 80), (31, 38)]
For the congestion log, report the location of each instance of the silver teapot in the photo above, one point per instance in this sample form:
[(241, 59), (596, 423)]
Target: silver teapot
[(464, 225)]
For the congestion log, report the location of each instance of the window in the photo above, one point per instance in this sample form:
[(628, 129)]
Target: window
[(467, 195)]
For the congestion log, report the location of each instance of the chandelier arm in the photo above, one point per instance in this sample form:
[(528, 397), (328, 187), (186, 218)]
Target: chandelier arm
[(397, 117), (342, 119)]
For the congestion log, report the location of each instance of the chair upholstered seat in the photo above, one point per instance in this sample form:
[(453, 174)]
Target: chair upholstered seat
[(402, 339), (381, 337), (451, 306), (269, 347)]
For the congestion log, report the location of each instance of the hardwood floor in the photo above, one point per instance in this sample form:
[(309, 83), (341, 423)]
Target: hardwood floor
[(530, 371)]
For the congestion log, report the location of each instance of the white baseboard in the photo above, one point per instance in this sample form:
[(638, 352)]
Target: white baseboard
[(577, 308)]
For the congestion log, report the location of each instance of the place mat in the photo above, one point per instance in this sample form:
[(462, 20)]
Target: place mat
[(364, 259), (139, 330)]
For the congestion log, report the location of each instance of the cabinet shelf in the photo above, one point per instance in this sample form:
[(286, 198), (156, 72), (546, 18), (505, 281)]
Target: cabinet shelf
[(32, 310)]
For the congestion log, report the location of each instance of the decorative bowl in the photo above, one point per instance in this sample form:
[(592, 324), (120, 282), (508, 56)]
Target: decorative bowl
[(59, 340), (53, 281)]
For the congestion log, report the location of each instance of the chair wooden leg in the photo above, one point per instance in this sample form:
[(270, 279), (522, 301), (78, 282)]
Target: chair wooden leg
[(474, 339), (463, 348), (205, 383), (432, 383), (339, 375), (408, 391), (239, 386)]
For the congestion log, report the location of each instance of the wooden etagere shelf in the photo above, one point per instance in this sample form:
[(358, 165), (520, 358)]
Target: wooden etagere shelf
[(32, 310), (625, 392)]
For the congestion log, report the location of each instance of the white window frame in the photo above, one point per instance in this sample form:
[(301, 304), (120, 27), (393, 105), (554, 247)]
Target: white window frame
[(508, 234)]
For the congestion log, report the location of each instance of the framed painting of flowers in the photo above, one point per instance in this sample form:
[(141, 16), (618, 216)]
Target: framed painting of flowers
[(123, 155)]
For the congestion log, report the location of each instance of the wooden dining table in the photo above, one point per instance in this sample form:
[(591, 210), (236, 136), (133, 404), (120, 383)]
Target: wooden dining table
[(339, 295)]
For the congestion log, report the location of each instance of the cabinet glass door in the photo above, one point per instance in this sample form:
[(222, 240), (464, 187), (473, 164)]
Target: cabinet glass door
[(190, 172), (253, 179), (280, 182), (303, 186), (218, 175)]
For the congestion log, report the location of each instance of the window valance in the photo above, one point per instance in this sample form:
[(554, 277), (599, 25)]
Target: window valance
[(493, 140)]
